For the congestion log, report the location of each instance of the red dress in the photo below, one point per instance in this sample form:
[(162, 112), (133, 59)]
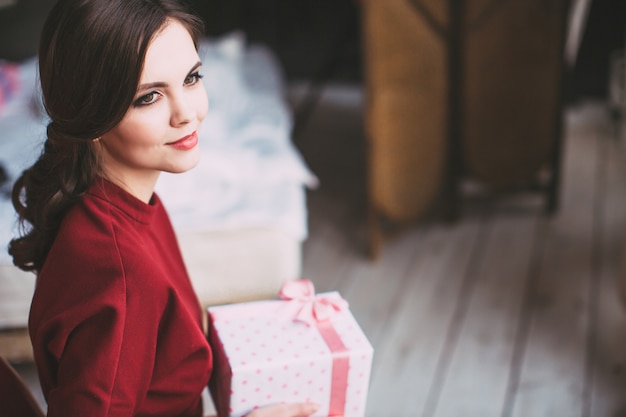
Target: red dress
[(115, 324)]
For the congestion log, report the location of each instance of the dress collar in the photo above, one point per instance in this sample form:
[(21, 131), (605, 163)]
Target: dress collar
[(126, 202)]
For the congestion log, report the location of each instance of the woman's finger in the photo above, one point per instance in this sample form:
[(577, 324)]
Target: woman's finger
[(286, 410)]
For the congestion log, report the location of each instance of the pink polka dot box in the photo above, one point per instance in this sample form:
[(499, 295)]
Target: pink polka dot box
[(305, 347)]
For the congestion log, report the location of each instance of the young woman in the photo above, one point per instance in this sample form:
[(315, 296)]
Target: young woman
[(115, 324)]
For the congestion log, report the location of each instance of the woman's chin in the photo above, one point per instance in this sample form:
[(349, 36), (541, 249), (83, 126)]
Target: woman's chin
[(183, 166)]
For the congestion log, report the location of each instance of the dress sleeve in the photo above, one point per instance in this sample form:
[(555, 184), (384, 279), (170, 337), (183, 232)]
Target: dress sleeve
[(94, 360)]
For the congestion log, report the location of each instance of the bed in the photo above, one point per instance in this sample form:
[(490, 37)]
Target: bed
[(240, 215)]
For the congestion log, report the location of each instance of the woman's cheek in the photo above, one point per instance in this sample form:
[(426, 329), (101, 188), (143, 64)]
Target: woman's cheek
[(155, 119), (145, 128)]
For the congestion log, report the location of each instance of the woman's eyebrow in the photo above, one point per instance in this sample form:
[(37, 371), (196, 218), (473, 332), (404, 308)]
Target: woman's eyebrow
[(195, 67), (160, 84)]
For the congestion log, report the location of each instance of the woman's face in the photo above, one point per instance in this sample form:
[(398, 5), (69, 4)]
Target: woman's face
[(159, 131)]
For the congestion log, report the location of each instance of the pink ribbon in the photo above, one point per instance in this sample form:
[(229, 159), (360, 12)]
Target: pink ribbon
[(311, 308), (318, 310)]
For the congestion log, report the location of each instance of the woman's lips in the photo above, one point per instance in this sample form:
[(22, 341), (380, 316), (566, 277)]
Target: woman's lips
[(185, 143)]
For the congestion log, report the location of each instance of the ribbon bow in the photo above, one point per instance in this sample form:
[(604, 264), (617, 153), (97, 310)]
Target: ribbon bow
[(311, 308)]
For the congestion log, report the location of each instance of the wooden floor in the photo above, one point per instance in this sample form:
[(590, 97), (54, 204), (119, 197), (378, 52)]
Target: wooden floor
[(507, 312)]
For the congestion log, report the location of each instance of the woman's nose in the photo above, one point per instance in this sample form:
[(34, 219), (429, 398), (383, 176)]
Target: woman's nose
[(182, 110)]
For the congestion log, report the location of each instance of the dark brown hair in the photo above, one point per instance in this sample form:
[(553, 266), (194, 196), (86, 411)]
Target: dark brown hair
[(91, 57)]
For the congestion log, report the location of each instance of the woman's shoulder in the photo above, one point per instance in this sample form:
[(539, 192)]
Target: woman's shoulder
[(85, 222), (90, 252), (102, 238), (83, 257), (85, 239)]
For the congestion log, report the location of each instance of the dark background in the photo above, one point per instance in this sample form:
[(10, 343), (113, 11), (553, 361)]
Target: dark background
[(321, 38)]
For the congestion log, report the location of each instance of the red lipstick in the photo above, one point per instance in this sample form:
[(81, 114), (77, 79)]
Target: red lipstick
[(186, 143)]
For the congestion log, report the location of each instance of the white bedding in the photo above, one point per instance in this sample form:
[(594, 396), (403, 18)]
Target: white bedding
[(249, 175)]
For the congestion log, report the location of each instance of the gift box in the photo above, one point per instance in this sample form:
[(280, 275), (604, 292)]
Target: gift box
[(301, 348)]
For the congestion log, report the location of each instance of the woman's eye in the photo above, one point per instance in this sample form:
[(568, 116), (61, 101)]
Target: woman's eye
[(193, 78), (147, 99)]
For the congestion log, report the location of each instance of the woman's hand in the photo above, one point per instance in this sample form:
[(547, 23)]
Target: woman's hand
[(285, 410)]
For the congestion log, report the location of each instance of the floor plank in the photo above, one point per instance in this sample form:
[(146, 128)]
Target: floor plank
[(476, 381), (409, 354), (608, 343), (552, 374)]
